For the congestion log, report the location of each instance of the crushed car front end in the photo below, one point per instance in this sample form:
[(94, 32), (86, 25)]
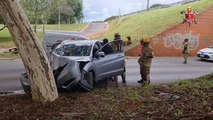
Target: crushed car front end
[(67, 65)]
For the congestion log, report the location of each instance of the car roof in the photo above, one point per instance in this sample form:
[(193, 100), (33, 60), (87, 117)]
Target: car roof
[(64, 34), (79, 41)]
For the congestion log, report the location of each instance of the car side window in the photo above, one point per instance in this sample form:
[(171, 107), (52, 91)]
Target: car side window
[(96, 48)]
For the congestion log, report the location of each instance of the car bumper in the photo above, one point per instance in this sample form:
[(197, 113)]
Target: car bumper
[(71, 84), (205, 56), (25, 82)]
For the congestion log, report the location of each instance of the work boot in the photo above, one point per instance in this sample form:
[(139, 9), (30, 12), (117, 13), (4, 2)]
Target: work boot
[(140, 81), (123, 79)]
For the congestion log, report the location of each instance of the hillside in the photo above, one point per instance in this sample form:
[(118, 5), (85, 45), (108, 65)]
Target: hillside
[(151, 23)]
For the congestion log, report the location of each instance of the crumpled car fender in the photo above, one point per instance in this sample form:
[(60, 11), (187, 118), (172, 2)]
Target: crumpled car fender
[(88, 67)]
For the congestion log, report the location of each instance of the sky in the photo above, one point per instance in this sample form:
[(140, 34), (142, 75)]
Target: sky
[(99, 10)]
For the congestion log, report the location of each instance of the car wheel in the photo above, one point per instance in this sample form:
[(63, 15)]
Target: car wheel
[(87, 81)]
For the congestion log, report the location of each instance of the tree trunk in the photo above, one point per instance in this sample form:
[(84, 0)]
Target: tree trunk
[(34, 59)]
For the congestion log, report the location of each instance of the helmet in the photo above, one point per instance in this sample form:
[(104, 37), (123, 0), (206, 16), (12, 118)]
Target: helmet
[(146, 40), (189, 9), (117, 35)]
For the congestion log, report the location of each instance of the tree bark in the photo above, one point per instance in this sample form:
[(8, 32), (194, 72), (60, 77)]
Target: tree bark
[(43, 85)]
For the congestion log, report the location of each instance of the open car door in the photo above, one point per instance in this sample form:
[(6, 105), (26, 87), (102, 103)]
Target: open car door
[(112, 62)]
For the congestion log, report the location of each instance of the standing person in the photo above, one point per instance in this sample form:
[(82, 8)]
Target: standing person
[(118, 43), (145, 61), (107, 49), (129, 41), (185, 50), (118, 47)]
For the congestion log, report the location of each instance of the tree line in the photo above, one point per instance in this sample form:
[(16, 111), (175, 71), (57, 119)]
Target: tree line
[(50, 11)]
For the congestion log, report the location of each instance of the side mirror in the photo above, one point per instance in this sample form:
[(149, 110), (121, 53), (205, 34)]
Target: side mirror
[(100, 54)]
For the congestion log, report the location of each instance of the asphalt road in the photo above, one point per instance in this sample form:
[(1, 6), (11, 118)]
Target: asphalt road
[(92, 28), (163, 70), (10, 71), (168, 69)]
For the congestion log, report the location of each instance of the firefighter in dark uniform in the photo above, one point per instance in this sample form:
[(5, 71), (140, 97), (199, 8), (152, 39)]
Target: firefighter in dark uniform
[(145, 61)]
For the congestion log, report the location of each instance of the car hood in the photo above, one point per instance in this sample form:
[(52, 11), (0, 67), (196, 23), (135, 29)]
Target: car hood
[(206, 50), (59, 61), (79, 58)]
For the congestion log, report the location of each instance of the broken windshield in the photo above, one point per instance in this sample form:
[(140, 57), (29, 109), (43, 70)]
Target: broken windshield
[(77, 49)]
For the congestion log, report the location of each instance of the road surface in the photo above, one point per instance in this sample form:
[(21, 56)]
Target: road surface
[(10, 71), (92, 28), (168, 69), (163, 70)]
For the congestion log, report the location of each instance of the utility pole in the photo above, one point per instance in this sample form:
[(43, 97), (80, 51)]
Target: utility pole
[(141, 4), (147, 5), (59, 16), (119, 12)]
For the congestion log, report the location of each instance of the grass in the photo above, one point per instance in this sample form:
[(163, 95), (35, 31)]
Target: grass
[(183, 100), (9, 55), (199, 83), (6, 40), (151, 23)]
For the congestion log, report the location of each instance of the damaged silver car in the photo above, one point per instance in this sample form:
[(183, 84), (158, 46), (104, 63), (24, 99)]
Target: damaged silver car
[(82, 63)]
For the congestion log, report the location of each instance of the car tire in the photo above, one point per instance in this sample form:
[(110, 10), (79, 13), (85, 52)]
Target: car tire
[(88, 81), (26, 89)]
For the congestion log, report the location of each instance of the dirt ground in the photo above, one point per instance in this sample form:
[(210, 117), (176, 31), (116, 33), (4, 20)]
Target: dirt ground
[(164, 102)]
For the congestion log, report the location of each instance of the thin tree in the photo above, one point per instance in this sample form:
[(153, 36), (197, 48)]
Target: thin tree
[(43, 85)]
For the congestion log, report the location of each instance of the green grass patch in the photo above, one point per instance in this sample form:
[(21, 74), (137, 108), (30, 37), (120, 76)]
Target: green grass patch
[(204, 82), (184, 100), (9, 55), (151, 23), (6, 40)]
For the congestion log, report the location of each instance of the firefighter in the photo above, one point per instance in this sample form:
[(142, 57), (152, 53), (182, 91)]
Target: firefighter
[(118, 43), (118, 47), (185, 50), (145, 61), (129, 41)]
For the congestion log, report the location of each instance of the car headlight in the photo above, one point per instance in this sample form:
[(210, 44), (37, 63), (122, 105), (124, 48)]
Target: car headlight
[(210, 53)]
